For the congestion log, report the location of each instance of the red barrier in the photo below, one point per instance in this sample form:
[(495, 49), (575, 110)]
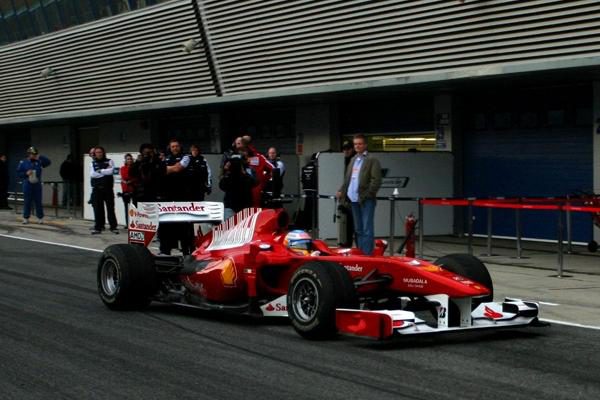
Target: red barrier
[(523, 203)]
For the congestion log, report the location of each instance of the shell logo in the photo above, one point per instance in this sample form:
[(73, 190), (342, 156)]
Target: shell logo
[(228, 272), (131, 213)]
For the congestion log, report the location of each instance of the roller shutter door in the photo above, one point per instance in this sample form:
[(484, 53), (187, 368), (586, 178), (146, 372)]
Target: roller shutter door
[(529, 143)]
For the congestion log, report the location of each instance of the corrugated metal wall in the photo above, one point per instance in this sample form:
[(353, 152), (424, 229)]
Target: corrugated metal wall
[(133, 60), (281, 44)]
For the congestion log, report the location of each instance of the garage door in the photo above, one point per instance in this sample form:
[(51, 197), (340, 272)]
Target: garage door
[(530, 143)]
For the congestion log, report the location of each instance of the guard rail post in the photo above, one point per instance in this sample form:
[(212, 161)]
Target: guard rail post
[(55, 197), (489, 233), (518, 232), (569, 226), (420, 226), (470, 225), (392, 224), (559, 272)]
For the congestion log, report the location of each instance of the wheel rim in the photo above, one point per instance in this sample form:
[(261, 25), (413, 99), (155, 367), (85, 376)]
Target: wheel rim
[(109, 277), (305, 299)]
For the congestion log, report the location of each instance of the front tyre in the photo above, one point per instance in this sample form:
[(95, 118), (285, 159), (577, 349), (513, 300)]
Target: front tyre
[(316, 290), (126, 277), (472, 268)]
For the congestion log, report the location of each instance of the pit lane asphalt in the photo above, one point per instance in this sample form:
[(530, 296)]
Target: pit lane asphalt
[(57, 340)]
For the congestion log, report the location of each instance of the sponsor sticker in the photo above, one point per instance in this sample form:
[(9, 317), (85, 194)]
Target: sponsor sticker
[(353, 268), (415, 282)]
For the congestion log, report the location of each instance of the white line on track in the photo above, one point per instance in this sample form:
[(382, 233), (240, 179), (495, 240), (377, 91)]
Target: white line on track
[(549, 304), (552, 321), (52, 243)]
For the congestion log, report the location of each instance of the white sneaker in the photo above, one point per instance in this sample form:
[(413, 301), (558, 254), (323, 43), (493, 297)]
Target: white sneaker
[(40, 221), (25, 221)]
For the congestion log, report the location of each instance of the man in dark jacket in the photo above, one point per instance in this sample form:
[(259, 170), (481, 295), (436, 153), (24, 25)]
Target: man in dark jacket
[(174, 187), (101, 173), (146, 175), (199, 175)]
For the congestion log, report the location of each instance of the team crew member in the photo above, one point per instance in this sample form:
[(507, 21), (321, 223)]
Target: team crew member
[(126, 184), (262, 171), (345, 217), (30, 170), (199, 175), (361, 183), (146, 174), (101, 174), (274, 185), (175, 188), (4, 183)]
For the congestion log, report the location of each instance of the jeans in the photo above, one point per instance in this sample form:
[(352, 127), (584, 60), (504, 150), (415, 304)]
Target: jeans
[(364, 215), (32, 192)]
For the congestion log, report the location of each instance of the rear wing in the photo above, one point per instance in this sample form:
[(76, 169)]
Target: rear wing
[(145, 218)]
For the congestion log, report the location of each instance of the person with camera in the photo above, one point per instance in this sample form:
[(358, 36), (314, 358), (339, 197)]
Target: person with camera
[(146, 174), (30, 171), (237, 182), (101, 174), (199, 175)]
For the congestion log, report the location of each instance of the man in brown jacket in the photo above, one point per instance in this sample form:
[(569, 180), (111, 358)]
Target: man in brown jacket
[(361, 183)]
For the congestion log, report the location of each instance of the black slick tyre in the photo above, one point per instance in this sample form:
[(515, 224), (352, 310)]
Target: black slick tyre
[(472, 268), (316, 289), (126, 277)]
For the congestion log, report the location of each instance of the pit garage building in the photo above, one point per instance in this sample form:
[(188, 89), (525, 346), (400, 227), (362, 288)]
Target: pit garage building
[(507, 89)]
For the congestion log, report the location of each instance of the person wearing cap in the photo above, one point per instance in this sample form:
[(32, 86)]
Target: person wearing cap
[(361, 183), (30, 171)]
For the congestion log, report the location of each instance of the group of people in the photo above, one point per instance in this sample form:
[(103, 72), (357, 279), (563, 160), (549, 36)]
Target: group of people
[(247, 177)]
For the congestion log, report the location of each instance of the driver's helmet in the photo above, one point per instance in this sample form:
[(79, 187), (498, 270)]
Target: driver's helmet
[(298, 241)]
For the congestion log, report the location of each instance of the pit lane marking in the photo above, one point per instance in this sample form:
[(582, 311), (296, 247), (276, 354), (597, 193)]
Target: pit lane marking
[(51, 243), (553, 321)]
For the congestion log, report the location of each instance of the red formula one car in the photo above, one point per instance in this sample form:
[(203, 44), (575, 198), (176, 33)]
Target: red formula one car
[(251, 264)]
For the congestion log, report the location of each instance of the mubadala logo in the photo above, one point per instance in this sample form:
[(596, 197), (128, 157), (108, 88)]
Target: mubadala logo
[(353, 268), (137, 236), (415, 281)]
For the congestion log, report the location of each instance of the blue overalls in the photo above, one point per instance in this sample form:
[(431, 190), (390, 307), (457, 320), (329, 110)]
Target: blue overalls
[(32, 191)]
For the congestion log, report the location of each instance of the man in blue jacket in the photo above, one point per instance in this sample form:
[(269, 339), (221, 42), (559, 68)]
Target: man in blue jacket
[(30, 171)]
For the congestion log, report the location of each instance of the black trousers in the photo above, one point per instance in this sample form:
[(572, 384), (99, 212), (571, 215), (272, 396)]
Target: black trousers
[(170, 233), (100, 198)]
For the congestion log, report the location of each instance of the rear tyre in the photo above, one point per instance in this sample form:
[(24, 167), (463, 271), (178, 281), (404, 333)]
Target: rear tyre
[(126, 277), (316, 290), (472, 268), (592, 246)]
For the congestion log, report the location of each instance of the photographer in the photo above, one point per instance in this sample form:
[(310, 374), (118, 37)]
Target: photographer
[(145, 175), (237, 182)]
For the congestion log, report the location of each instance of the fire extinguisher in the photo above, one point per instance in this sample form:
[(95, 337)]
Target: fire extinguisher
[(410, 223)]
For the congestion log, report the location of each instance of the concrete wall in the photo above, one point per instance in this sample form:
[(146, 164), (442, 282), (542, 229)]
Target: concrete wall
[(313, 129), (120, 136)]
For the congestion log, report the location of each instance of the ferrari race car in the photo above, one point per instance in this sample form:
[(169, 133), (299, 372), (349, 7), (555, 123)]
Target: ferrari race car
[(251, 264)]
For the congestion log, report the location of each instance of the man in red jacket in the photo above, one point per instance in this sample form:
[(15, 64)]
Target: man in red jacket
[(262, 170)]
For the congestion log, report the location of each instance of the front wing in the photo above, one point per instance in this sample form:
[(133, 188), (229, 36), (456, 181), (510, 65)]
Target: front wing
[(385, 324)]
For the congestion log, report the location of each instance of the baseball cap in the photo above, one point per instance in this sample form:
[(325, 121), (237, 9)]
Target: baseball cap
[(32, 150)]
